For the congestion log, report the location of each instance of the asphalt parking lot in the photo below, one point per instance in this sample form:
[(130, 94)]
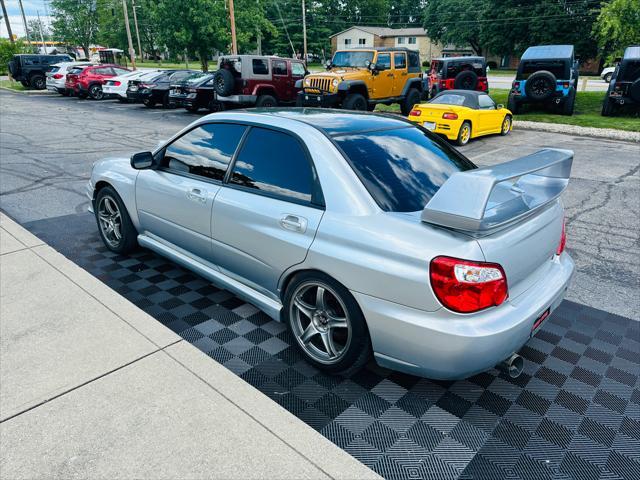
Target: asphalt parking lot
[(574, 413)]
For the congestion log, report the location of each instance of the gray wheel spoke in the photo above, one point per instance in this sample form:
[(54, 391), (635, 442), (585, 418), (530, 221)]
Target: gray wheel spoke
[(329, 346), (116, 231), (308, 334), (337, 322), (304, 307), (320, 305)]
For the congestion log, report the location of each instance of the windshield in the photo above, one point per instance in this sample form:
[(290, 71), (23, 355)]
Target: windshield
[(448, 99), (352, 59), (401, 168)]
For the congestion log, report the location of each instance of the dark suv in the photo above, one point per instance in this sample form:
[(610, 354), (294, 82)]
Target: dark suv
[(457, 73), (624, 87), (31, 70), (256, 80), (547, 75)]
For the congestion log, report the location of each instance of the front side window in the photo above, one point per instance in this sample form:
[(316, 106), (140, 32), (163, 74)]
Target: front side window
[(279, 67), (297, 69), (352, 59), (260, 66), (384, 60), (485, 102), (400, 60), (401, 168), (274, 163), (204, 151)]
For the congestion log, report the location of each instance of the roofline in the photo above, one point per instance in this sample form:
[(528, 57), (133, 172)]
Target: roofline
[(363, 28)]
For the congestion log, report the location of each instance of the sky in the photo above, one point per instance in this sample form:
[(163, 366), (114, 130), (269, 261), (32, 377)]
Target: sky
[(31, 9)]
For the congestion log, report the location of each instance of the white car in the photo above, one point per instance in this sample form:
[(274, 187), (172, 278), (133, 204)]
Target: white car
[(607, 73), (57, 76), (116, 87)]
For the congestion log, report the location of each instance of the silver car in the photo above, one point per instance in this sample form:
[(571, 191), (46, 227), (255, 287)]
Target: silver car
[(363, 232)]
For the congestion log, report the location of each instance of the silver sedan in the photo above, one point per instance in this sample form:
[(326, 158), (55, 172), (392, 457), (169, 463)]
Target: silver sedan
[(364, 233)]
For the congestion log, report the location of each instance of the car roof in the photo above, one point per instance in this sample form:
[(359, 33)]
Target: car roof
[(460, 59), (336, 122), (632, 53), (548, 52), (470, 96)]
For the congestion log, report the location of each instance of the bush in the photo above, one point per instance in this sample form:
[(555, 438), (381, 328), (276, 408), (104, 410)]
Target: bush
[(7, 51), (426, 63), (492, 65)]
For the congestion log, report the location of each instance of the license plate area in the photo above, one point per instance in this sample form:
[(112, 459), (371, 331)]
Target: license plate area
[(429, 125), (313, 98), (540, 320)]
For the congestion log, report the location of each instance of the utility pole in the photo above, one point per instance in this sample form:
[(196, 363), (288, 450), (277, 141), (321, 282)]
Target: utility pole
[(234, 44), (44, 47), (135, 22), (304, 33), (24, 21), (6, 20), (132, 53), (259, 41)]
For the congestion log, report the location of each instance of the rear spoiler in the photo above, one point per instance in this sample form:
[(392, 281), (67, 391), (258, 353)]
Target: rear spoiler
[(490, 198)]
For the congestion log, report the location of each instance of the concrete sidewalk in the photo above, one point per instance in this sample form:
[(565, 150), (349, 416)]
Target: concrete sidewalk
[(92, 387)]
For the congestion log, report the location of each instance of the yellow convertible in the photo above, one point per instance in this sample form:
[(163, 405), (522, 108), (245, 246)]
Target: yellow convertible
[(461, 115)]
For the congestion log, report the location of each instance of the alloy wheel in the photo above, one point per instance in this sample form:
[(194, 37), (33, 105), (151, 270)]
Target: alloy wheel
[(320, 322), (110, 220), (466, 133), (506, 125)]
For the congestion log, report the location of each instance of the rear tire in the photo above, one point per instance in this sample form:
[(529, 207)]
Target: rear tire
[(95, 92), (38, 82), (192, 108), (608, 107), (540, 85), (223, 82), (464, 134), (412, 98), (114, 224), (512, 105), (266, 101), (149, 103), (569, 103), (215, 106), (466, 80), (355, 101), (341, 326), (166, 101)]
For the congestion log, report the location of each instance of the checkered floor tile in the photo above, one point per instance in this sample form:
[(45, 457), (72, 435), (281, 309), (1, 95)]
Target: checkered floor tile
[(573, 414)]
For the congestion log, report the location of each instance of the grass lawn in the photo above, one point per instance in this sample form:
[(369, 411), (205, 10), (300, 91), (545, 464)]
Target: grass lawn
[(586, 114), (12, 85)]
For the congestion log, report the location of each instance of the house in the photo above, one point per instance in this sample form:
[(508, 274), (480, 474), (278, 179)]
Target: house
[(363, 37)]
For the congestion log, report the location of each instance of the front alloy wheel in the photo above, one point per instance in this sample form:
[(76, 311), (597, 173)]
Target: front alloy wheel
[(320, 322), (110, 221)]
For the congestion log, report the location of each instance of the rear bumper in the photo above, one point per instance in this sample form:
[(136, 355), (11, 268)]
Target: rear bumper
[(445, 345), (447, 129), (139, 95), (178, 100), (623, 100), (326, 100)]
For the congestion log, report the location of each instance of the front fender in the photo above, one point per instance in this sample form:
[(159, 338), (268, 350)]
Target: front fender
[(118, 173), (347, 85)]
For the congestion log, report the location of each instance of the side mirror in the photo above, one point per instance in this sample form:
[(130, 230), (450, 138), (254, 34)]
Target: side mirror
[(328, 64), (499, 106), (142, 160), (373, 67)]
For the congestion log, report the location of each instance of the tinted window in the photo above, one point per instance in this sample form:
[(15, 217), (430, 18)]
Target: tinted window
[(559, 69), (206, 150), (275, 163), (630, 71), (401, 168), (297, 69), (400, 60), (485, 102), (454, 68), (176, 77), (120, 71), (103, 71), (260, 66), (279, 67), (414, 61), (384, 60)]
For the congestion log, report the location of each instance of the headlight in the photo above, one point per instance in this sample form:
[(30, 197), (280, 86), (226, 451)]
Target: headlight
[(307, 81), (335, 82), (238, 66)]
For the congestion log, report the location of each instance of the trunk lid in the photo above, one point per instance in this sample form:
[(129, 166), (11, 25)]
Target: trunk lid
[(434, 112)]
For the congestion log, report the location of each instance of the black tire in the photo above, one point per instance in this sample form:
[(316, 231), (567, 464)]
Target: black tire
[(64, 92), (607, 77), (412, 98), (540, 85), (149, 102), (299, 101), (215, 106), (512, 105), (463, 135), (608, 107), (355, 101), (266, 101), (95, 92), (128, 234), (569, 103), (356, 350), (507, 124), (466, 80), (634, 90), (192, 108), (166, 100), (223, 82), (123, 100), (38, 82), (25, 83), (82, 95)]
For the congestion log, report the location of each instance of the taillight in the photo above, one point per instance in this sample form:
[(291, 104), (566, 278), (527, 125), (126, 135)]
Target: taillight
[(563, 239), (57, 76), (147, 85), (565, 84), (450, 116), (415, 112), (516, 85), (116, 83), (465, 286)]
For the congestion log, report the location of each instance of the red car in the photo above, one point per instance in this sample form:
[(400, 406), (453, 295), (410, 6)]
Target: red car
[(457, 73), (88, 81)]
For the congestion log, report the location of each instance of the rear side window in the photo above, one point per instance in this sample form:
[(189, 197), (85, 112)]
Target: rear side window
[(274, 163), (279, 67), (454, 68), (204, 151), (401, 168), (630, 71), (399, 60), (260, 66), (559, 69)]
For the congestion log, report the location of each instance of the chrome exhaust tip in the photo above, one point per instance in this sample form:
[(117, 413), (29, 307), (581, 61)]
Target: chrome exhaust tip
[(513, 365)]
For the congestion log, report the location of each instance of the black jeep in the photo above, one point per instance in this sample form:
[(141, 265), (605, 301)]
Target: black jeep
[(31, 70), (547, 75), (624, 88)]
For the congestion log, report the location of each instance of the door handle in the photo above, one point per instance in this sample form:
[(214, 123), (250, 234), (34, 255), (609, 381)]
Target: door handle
[(294, 223), (197, 195)]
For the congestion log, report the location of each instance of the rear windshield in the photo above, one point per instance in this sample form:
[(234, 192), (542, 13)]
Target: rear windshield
[(454, 68), (196, 77), (629, 71), (559, 69), (449, 99), (401, 168)]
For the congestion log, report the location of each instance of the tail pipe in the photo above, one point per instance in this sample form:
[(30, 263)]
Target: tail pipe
[(512, 366)]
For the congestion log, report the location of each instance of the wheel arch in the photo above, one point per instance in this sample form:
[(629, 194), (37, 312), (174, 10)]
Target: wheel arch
[(412, 83), (358, 86), (117, 174), (262, 89)]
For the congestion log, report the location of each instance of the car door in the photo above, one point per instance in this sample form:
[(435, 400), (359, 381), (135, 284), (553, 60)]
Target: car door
[(280, 78), (266, 216), (400, 72), (174, 201), (490, 118), (298, 71), (383, 80)]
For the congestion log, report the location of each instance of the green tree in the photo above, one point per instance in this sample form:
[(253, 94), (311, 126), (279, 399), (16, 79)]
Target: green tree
[(36, 27), (75, 22), (7, 50), (617, 27)]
